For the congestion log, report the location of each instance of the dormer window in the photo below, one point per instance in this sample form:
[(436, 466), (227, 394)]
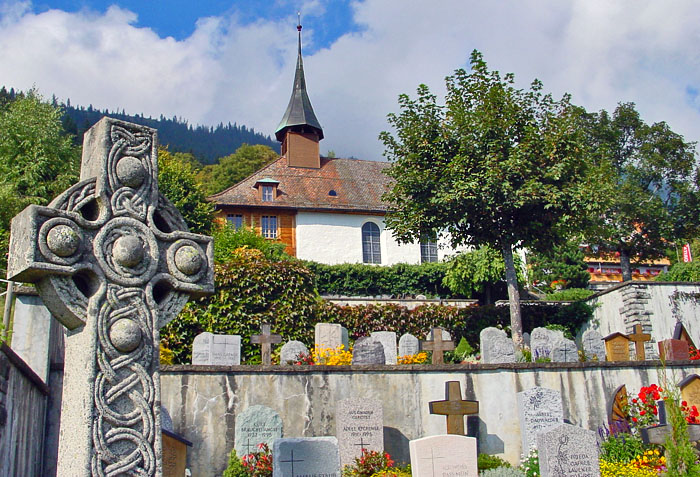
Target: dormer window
[(267, 189), (268, 193)]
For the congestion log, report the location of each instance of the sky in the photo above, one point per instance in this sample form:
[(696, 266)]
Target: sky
[(214, 61)]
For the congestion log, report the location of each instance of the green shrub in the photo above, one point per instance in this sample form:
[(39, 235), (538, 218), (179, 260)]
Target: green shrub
[(235, 466), (570, 294), (370, 280), (502, 472), (621, 447), (681, 272), (487, 461), (227, 239)]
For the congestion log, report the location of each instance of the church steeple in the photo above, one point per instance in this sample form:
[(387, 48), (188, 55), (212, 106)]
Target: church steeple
[(299, 131)]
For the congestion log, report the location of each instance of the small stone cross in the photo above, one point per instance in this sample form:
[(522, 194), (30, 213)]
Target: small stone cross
[(266, 340), (362, 443), (438, 346), (113, 261), (454, 407), (432, 460), (639, 339), (292, 461)]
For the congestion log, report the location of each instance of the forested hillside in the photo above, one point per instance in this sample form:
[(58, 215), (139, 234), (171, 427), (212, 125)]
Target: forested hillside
[(206, 143)]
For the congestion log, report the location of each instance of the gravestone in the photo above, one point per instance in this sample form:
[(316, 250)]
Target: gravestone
[(438, 346), (568, 450), (166, 422), (31, 331), (542, 341), (673, 350), (527, 339), (445, 455), (690, 390), (564, 351), (388, 340), (680, 333), (368, 351), (256, 425), (305, 456), (113, 262), (359, 425), (617, 347), (593, 345), (266, 339), (430, 335), (330, 336), (291, 351), (540, 409), (174, 454), (454, 407), (639, 338), (408, 345), (216, 350), (496, 347)]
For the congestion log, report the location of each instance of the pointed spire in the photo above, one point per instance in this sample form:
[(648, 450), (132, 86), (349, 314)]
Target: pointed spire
[(299, 112)]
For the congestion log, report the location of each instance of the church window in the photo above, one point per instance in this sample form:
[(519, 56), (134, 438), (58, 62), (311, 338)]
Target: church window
[(268, 193), (371, 250), (236, 220), (269, 226), (428, 250)]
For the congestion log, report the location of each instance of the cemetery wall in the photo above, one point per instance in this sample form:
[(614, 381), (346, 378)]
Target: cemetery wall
[(205, 400), (650, 304), (23, 398)]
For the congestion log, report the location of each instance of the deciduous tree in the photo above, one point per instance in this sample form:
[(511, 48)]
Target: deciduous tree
[(496, 165)]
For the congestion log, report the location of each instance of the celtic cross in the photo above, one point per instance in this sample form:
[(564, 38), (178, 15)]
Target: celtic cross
[(113, 261)]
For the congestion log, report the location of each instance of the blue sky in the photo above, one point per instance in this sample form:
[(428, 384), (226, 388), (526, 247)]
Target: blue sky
[(216, 61)]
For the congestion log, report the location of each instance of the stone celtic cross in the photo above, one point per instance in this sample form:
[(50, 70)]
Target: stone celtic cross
[(113, 261)]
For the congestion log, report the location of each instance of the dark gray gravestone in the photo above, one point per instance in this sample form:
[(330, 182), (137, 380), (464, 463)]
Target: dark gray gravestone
[(568, 450), (254, 426), (539, 409), (593, 345), (306, 456), (359, 425), (368, 351), (564, 351), (291, 351)]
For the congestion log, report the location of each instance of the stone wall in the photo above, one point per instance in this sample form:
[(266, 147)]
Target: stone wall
[(205, 400)]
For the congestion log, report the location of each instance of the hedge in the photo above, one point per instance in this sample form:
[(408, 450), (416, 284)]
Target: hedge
[(370, 280)]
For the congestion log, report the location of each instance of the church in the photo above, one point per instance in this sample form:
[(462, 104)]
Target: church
[(329, 210)]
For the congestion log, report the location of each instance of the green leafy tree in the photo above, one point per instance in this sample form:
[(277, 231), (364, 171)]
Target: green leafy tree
[(479, 271), (234, 168), (227, 239), (495, 165), (177, 182), (657, 185), (681, 272), (37, 159), (562, 266)]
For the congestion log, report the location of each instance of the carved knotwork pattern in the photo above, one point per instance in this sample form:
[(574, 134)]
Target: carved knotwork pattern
[(134, 147), (124, 428)]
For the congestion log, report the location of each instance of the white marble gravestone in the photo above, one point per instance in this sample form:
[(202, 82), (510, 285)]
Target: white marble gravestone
[(291, 351), (359, 425), (443, 455), (216, 350), (330, 335), (539, 409), (408, 345)]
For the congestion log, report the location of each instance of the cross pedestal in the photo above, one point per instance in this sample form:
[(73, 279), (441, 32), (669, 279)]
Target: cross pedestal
[(437, 346), (454, 407), (113, 261), (266, 340), (639, 339)]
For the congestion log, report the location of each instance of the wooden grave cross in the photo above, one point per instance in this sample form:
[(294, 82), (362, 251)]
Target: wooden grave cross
[(454, 407), (438, 346), (265, 339), (639, 339)]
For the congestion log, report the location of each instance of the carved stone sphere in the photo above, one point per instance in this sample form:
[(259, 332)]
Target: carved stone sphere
[(62, 240), (188, 260), (128, 251), (131, 172), (125, 335)]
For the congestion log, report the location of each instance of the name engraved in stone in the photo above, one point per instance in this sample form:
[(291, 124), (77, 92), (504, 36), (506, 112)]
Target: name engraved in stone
[(454, 470)]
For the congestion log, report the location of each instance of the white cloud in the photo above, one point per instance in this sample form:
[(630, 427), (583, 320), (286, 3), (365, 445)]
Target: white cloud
[(601, 52)]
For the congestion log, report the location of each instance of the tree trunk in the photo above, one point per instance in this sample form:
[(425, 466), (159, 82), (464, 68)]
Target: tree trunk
[(625, 265), (516, 322)]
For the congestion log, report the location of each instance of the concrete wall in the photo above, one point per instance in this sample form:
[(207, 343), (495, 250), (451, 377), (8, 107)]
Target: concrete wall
[(650, 304), (337, 238), (205, 400)]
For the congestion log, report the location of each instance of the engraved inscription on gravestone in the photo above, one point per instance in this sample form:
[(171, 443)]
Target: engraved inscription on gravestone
[(330, 335), (593, 345), (540, 409), (113, 261), (568, 450), (496, 347), (617, 347), (219, 350), (256, 425), (359, 425), (444, 455), (408, 345), (564, 351), (542, 341)]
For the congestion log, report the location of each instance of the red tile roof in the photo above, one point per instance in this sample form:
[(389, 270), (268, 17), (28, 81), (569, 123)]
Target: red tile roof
[(358, 184)]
